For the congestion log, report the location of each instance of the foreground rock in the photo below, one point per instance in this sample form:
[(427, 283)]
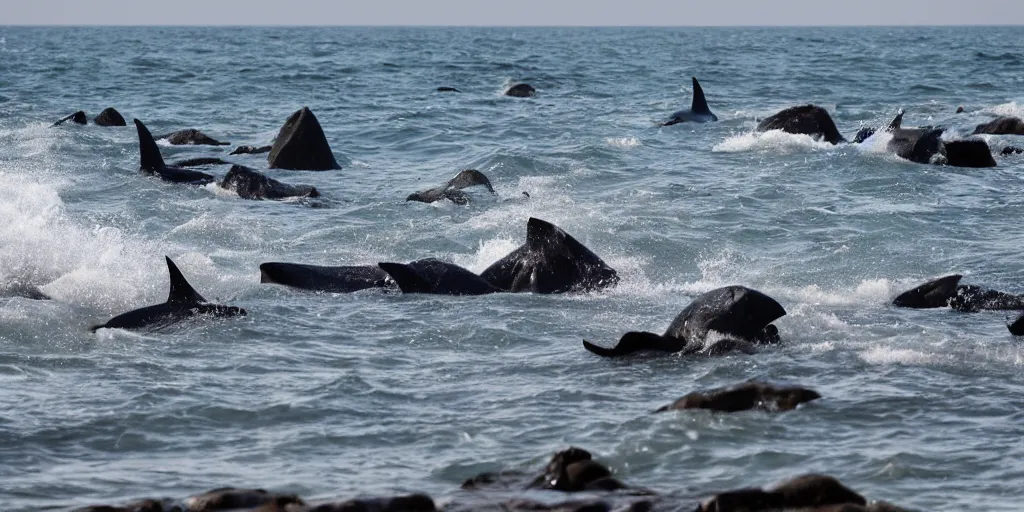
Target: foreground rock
[(807, 493)]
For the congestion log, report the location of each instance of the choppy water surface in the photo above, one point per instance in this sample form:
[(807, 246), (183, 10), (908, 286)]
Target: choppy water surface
[(337, 395)]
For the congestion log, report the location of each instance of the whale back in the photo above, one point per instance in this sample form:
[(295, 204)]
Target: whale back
[(700, 103), (933, 294), (436, 277), (735, 311), (181, 292), (343, 279), (149, 152)]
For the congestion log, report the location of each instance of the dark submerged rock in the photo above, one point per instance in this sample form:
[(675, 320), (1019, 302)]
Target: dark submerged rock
[(410, 503), (110, 117), (521, 91), (191, 137), (249, 184), (1011, 150), (746, 396), (250, 150), (302, 145), (804, 492), (1005, 125)]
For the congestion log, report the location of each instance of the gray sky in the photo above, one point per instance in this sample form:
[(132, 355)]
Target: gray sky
[(512, 12)]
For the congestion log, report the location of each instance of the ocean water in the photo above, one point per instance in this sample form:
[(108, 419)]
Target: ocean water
[(333, 396)]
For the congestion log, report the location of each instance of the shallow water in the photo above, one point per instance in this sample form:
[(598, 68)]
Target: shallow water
[(371, 393)]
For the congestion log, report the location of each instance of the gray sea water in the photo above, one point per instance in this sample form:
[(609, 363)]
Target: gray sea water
[(333, 396)]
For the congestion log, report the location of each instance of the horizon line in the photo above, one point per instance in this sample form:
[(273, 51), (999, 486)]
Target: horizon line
[(487, 25)]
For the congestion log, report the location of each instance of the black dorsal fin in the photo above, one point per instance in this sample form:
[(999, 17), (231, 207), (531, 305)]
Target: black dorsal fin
[(149, 152), (700, 104), (181, 291), (897, 121)]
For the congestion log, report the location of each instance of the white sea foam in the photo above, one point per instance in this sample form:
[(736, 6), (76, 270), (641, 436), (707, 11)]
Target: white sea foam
[(623, 142), (775, 141)]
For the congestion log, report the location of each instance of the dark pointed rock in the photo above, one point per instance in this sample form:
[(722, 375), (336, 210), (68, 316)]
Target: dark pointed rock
[(110, 117), (302, 145), (746, 396)]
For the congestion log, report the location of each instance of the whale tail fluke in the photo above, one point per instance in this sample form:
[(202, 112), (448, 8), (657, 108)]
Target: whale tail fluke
[(406, 277), (700, 104), (633, 342), (149, 152), (181, 292)]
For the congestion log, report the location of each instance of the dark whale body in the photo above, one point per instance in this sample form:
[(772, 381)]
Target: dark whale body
[(1005, 125), (249, 184), (743, 315), (109, 117), (698, 111), (191, 137), (447, 89), (436, 277), (453, 188), (302, 145), (521, 91), (76, 118), (744, 397), (807, 120), (343, 279), (947, 291), (551, 261), (183, 302), (153, 163)]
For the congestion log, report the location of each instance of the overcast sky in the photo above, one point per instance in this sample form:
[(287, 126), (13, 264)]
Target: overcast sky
[(512, 12)]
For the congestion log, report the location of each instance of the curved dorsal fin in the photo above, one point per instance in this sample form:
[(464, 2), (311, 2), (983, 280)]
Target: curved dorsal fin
[(149, 152), (181, 291), (700, 104), (406, 277)]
